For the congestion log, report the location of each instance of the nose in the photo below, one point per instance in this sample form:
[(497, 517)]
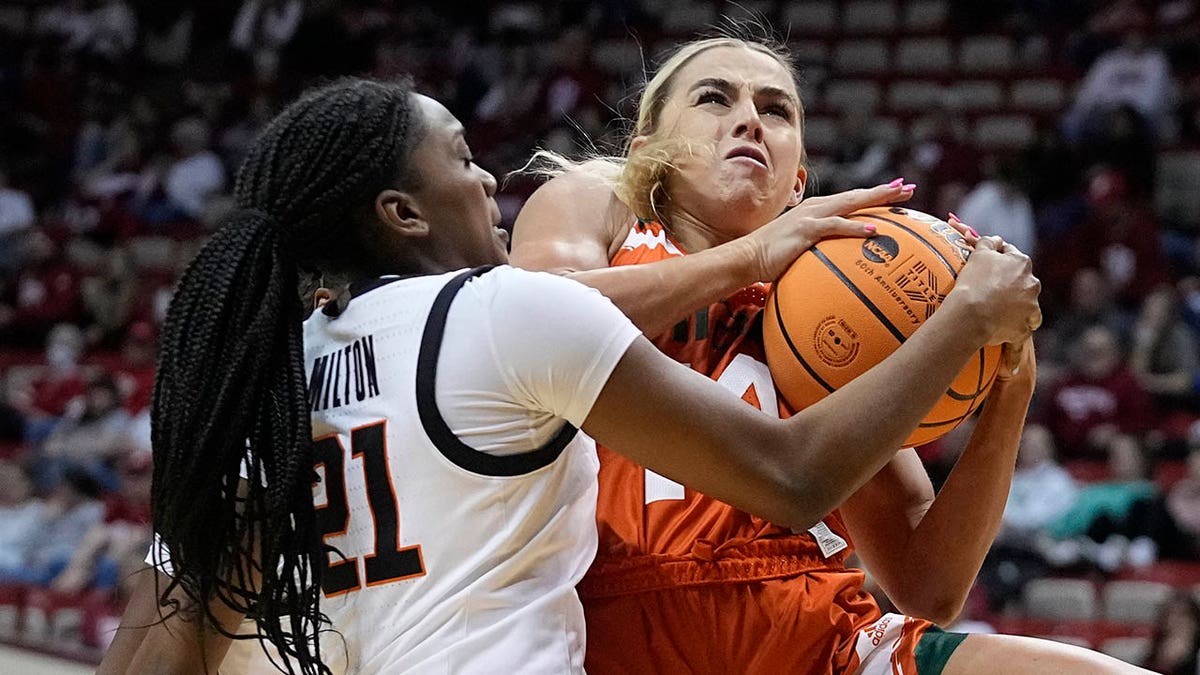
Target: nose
[(489, 182), (749, 124)]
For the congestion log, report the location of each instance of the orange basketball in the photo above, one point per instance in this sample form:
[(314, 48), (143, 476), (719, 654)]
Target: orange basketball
[(847, 303)]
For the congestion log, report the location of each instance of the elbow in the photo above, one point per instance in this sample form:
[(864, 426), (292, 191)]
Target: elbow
[(800, 502), (940, 607)]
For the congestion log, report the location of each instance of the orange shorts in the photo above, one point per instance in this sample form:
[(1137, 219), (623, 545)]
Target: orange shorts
[(793, 625)]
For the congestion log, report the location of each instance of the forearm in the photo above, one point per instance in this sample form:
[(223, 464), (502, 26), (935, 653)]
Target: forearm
[(655, 296), (151, 640), (947, 547), (860, 427)]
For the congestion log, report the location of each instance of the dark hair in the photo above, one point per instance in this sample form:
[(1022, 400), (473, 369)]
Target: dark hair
[(230, 385)]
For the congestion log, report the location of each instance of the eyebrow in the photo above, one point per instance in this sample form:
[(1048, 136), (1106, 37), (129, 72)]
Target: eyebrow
[(725, 86)]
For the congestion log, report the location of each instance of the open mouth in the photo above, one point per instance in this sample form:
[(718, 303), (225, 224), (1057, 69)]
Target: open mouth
[(749, 152)]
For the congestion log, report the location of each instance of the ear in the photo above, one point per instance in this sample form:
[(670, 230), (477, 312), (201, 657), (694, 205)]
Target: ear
[(321, 296), (798, 188), (401, 212), (638, 142)]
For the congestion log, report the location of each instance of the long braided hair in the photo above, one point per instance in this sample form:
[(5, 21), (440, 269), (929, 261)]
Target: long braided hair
[(230, 398)]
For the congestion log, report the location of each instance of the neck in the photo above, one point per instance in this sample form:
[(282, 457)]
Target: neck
[(417, 260), (694, 234)]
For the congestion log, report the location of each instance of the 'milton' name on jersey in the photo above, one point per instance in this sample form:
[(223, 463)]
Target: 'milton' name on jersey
[(344, 376)]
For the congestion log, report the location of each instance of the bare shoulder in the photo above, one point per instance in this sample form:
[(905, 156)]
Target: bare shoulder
[(578, 206)]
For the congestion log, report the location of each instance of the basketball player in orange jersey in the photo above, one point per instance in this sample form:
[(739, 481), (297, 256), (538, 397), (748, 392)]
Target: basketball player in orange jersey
[(680, 234)]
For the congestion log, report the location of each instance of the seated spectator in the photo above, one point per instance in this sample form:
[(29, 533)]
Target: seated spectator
[(1096, 399), (572, 82), (167, 35), (999, 205), (20, 514), (45, 292), (68, 22), (1135, 72), (135, 377), (17, 215), (1165, 359), (1119, 235), (1123, 142), (115, 546), (114, 31), (12, 422), (943, 161), (67, 515), (266, 25), (91, 435), (859, 156), (1115, 522), (1175, 645), (178, 189), (61, 381), (108, 299), (1042, 491), (1090, 303), (1183, 504)]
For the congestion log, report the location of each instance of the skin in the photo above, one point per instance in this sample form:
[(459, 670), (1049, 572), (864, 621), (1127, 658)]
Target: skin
[(698, 432), (726, 213)]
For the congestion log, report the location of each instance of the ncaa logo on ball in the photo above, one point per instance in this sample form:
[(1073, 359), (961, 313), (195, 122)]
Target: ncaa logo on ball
[(880, 249)]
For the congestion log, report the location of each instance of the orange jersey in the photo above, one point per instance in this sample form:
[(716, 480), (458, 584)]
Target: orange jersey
[(655, 533)]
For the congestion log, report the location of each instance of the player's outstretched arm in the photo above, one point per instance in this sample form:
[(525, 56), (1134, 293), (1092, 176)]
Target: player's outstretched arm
[(927, 551), (690, 429), (152, 640), (574, 224)]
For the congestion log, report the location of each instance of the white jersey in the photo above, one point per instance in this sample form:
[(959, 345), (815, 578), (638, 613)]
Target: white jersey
[(452, 476)]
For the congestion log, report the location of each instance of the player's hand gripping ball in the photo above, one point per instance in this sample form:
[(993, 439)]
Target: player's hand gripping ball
[(847, 303)]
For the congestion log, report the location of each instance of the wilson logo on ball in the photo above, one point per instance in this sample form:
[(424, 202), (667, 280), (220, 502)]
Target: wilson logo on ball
[(880, 249)]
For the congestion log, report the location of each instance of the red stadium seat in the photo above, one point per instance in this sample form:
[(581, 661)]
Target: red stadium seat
[(1177, 573), (1170, 472), (1134, 601), (986, 95), (869, 17), (856, 57), (1038, 95), (1061, 599), (810, 18), (925, 15), (851, 94), (924, 55), (985, 54), (1088, 470), (1128, 649)]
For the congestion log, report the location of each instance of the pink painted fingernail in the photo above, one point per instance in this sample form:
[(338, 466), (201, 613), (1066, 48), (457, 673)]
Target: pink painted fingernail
[(909, 187), (972, 231), (954, 217), (896, 183), (870, 228)]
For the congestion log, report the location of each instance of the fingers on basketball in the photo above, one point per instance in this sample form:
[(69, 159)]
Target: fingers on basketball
[(836, 226)]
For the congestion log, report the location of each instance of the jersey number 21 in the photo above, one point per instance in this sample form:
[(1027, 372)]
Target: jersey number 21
[(389, 562)]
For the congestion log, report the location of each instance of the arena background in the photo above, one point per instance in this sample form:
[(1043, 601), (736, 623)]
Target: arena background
[(1071, 128)]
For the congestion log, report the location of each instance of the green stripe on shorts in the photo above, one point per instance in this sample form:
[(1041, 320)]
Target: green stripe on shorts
[(934, 650)]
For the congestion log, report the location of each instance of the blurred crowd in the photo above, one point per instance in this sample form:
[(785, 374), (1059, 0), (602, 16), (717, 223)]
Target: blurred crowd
[(125, 121)]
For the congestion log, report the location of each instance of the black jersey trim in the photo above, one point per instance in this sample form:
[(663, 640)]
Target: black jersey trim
[(360, 288), (435, 425)]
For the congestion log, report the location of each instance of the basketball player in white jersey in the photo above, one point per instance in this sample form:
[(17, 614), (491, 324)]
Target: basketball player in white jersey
[(420, 499)]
